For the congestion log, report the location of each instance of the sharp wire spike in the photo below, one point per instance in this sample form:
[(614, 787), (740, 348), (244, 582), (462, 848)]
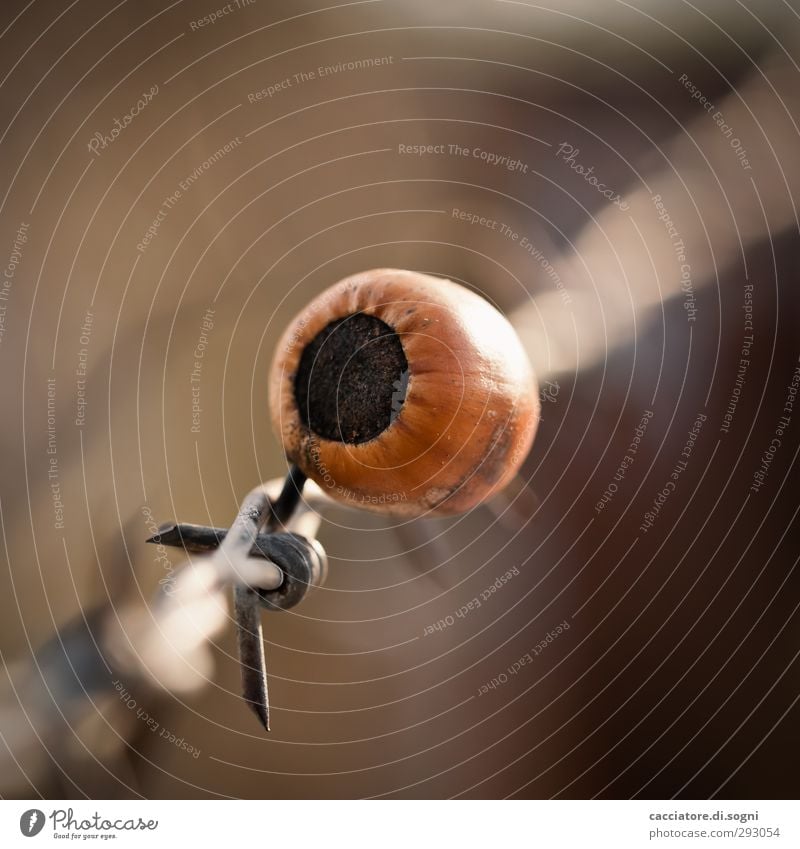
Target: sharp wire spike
[(243, 540), (251, 652)]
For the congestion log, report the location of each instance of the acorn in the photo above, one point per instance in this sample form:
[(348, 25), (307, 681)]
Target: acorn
[(404, 394)]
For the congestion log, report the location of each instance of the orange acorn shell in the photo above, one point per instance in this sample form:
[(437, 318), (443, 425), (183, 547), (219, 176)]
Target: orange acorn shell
[(471, 404)]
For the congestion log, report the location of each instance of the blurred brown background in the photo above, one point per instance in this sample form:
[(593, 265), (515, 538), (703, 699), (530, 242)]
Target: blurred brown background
[(678, 673)]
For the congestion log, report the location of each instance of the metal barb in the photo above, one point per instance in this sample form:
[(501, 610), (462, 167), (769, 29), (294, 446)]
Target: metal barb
[(246, 602), (232, 547), (247, 610), (203, 539)]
